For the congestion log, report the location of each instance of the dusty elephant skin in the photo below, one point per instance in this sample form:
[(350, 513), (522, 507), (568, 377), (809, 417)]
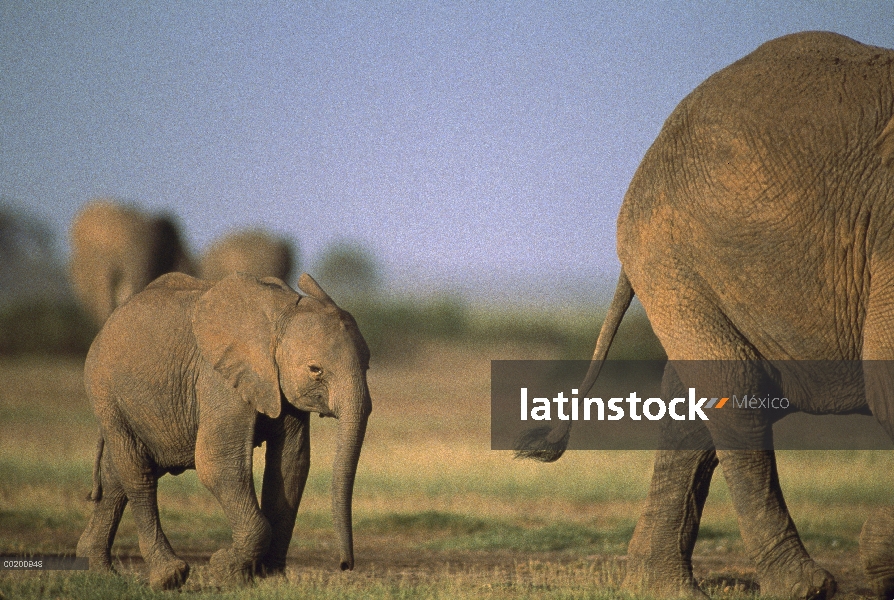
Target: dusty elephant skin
[(758, 226), (251, 251), (117, 250), (194, 374)]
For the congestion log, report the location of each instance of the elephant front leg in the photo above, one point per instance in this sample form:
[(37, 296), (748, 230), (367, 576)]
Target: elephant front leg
[(285, 474), (784, 568), (251, 536), (232, 484), (251, 531)]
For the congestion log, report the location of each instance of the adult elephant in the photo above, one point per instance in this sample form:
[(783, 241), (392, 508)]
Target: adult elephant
[(250, 251), (117, 250), (759, 226), (192, 374)]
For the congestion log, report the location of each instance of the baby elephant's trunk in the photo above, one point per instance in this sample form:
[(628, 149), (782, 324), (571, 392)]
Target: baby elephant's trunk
[(347, 454)]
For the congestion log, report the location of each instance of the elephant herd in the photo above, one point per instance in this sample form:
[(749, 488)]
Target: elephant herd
[(117, 250), (758, 227)]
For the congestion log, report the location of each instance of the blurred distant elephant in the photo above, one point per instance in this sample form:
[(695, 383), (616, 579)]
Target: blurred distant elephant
[(252, 251), (117, 250)]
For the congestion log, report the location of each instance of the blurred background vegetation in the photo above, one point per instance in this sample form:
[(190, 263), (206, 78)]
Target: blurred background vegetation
[(38, 313)]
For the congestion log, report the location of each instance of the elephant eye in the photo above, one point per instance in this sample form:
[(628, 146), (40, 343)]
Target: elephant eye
[(314, 369)]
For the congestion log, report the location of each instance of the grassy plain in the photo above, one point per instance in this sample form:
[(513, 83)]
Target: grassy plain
[(437, 513)]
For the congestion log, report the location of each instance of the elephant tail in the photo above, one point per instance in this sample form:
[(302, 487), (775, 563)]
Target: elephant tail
[(547, 444), (95, 494)]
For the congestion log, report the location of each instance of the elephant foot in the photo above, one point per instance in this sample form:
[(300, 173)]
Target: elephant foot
[(806, 580), (100, 558), (877, 552), (880, 573), (661, 578), (883, 587), (170, 575), (228, 571), (101, 563), (270, 569)]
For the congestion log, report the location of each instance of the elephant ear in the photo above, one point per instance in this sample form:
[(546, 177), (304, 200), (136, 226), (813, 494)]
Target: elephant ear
[(885, 144), (309, 286), (234, 324)]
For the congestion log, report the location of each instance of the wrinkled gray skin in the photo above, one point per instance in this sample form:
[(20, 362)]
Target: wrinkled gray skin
[(117, 250), (759, 226), (191, 374), (251, 251)]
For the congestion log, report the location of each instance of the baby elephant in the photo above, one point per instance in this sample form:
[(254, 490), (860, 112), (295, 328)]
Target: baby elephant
[(191, 374)]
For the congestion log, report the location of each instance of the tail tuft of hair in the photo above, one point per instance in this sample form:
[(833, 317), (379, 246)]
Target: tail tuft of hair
[(534, 444)]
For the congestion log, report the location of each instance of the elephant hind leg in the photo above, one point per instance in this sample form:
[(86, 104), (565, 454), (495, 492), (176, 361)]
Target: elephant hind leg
[(704, 345), (659, 557), (96, 541), (877, 536), (877, 551), (784, 567), (166, 569)]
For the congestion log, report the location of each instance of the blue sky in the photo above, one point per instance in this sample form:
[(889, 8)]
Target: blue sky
[(481, 148)]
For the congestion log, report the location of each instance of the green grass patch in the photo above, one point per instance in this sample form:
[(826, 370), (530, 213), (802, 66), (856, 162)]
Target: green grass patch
[(452, 531), (76, 586), (425, 522), (553, 537), (38, 416), (437, 514), (17, 473), (394, 329), (18, 521)]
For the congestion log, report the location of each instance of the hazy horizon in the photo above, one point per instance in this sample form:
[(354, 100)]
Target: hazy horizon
[(480, 149)]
